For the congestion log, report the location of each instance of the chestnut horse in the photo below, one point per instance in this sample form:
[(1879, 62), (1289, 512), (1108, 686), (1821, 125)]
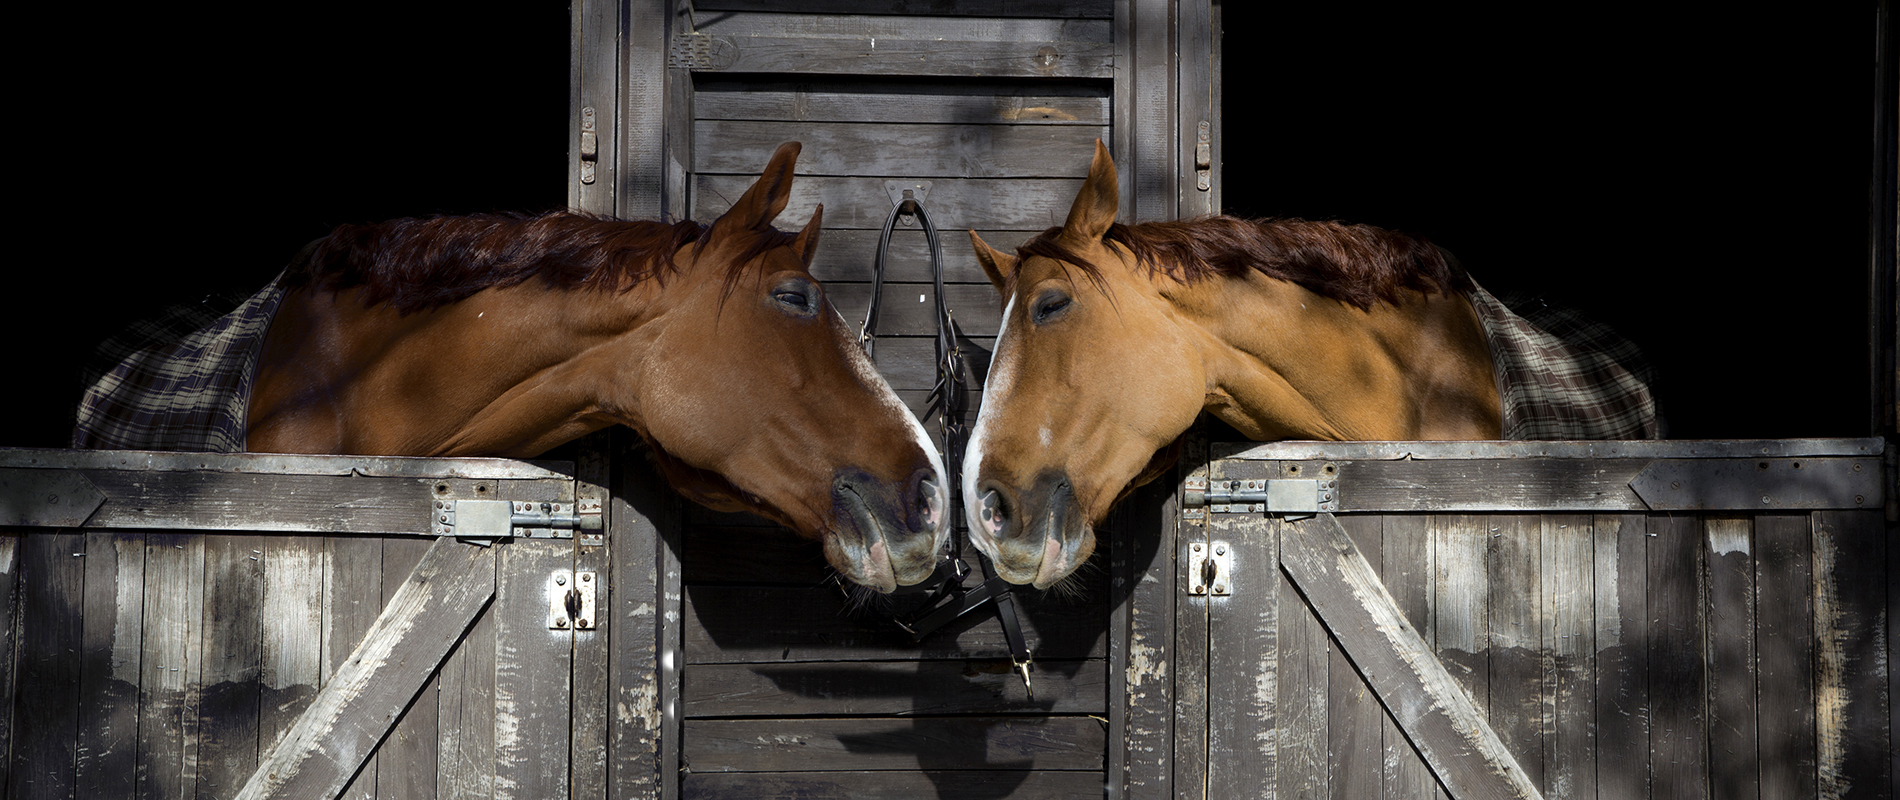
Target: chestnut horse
[(1115, 337), (507, 336)]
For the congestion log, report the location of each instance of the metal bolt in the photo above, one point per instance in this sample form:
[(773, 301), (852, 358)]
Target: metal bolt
[(582, 624), (1857, 499), (1764, 498), (1220, 549), (52, 499), (560, 623), (587, 577)]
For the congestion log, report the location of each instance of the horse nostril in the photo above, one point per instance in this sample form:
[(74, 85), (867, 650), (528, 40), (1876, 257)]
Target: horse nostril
[(994, 515)]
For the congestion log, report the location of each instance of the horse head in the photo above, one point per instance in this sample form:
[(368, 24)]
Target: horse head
[(755, 396), (1087, 390)]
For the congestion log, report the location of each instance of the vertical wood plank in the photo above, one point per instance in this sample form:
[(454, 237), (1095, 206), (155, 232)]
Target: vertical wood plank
[(1854, 749), (676, 124), (1153, 165), (1191, 667), (531, 672), (292, 653), (1730, 657), (10, 619), (1243, 643), (594, 83), (1519, 661), (588, 711), (109, 685), (1677, 689), (1148, 674), (168, 715), (352, 600), (47, 714), (639, 180), (1622, 625), (1197, 76), (1408, 576), (1460, 629), (231, 664), (1784, 656), (1568, 563), (406, 760), (635, 514), (1355, 720), (465, 752), (1305, 672)]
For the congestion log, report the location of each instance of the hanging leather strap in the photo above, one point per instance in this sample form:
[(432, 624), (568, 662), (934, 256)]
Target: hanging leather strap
[(949, 599)]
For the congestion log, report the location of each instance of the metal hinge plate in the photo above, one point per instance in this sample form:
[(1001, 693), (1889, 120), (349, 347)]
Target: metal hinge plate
[(1210, 569), (1292, 496), (487, 520), (571, 601)]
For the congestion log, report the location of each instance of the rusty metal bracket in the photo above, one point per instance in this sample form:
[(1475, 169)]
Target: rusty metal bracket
[(1290, 496)]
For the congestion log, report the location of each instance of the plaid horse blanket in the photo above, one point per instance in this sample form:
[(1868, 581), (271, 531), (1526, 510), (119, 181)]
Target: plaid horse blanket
[(1561, 376), (173, 393)]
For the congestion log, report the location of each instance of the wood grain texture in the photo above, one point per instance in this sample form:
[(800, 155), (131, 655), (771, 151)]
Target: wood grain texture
[(1854, 748), (106, 763), (897, 688), (973, 306), (1193, 654), (922, 743), (46, 715), (591, 709), (170, 662), (1461, 631), (465, 751), (1041, 784), (1567, 610), (850, 255), (594, 82), (291, 649), (364, 694), (899, 45), (230, 678), (1355, 720), (9, 647), (1148, 664), (1355, 608), (1080, 9), (1243, 637), (531, 671), (1021, 204), (1305, 674), (1729, 656), (406, 762), (352, 601), (910, 151), (1622, 710), (1520, 687), (1784, 655), (1407, 575), (1678, 690), (966, 102)]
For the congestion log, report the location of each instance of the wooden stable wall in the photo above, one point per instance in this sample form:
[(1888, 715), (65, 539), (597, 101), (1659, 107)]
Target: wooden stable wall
[(1730, 638)]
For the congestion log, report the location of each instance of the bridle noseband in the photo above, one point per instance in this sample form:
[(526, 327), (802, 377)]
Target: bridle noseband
[(949, 598)]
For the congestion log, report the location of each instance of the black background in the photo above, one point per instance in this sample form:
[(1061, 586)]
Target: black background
[(1699, 177)]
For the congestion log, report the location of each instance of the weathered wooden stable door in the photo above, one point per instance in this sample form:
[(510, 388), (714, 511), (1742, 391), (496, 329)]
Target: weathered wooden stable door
[(1491, 619)]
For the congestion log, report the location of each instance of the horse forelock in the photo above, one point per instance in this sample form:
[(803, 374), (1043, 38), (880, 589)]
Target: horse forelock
[(1357, 264), (418, 263)]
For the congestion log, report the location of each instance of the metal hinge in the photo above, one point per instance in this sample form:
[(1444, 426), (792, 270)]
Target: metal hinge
[(571, 601), (590, 145), (1292, 496), (1210, 569), (1204, 158), (483, 521)]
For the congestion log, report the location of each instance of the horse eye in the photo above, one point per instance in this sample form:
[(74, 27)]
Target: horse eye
[(794, 299), (1051, 307)]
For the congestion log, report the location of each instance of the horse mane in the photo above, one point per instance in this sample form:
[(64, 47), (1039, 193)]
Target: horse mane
[(417, 263), (1357, 264)]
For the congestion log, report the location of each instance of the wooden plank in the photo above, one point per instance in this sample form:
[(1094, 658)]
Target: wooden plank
[(291, 651), (640, 180), (973, 305), (1622, 634), (1067, 9), (1153, 163), (1145, 545), (111, 653), (926, 743), (910, 363), (168, 707), (406, 759), (264, 502), (965, 101), (1784, 656), (1519, 666), (46, 716), (1355, 722), (592, 700), (10, 630), (729, 624), (1193, 661), (1678, 694), (1407, 575), (1022, 204), (352, 601), (850, 255), (344, 468), (904, 45), (985, 686), (674, 614), (1461, 631), (1079, 785), (1591, 450), (1196, 91), (911, 152), (465, 752), (747, 554), (594, 83), (1729, 657), (531, 671), (364, 694), (231, 658), (1854, 748), (1305, 674), (1354, 606), (1568, 612), (1243, 679)]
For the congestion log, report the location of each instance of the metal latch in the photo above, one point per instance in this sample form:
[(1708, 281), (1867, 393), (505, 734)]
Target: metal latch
[(500, 519), (590, 145), (1204, 159), (1277, 496), (571, 601), (1210, 569)]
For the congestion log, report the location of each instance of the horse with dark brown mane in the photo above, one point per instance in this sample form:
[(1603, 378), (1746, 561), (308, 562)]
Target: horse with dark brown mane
[(1115, 337), (508, 335)]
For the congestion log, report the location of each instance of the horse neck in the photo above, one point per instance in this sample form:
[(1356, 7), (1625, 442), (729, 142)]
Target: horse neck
[(1287, 363)]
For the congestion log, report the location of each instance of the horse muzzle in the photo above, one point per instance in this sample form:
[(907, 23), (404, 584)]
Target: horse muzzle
[(885, 535), (1037, 536)]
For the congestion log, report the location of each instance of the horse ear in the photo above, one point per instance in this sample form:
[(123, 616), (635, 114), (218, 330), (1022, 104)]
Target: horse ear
[(1096, 205), (807, 242), (767, 196), (1000, 266)]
